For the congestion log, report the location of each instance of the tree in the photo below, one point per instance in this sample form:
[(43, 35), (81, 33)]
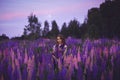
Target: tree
[(46, 29), (4, 37), (95, 22), (93, 31), (111, 14), (32, 30), (64, 30), (83, 29), (25, 33), (73, 28), (54, 30)]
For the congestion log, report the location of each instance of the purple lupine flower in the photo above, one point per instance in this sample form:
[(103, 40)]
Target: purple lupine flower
[(30, 67)]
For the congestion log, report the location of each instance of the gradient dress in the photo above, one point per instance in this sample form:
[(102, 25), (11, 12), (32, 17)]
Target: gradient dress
[(59, 51)]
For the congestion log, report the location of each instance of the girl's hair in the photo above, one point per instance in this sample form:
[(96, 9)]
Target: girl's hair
[(62, 38)]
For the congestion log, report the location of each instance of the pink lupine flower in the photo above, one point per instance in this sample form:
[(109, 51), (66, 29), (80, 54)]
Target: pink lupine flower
[(106, 51), (18, 54), (92, 53), (111, 74), (68, 60), (91, 65), (87, 62), (75, 62), (41, 68), (12, 54), (18, 68), (26, 57), (69, 71), (30, 67), (31, 63), (2, 78), (17, 63), (99, 50), (13, 67), (113, 49), (78, 55), (13, 59), (86, 51), (102, 77), (0, 52)]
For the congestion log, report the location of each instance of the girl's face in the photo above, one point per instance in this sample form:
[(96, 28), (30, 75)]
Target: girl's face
[(59, 40)]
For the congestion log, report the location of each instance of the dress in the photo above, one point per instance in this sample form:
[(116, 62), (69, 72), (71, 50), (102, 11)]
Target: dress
[(58, 52)]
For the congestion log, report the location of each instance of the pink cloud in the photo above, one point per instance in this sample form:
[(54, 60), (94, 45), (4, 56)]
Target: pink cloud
[(16, 15), (12, 15), (78, 7)]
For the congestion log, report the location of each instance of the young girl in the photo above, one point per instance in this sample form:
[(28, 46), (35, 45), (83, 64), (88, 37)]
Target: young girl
[(59, 51)]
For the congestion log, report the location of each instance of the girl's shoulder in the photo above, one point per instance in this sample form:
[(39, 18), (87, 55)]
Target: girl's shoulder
[(54, 45), (65, 46)]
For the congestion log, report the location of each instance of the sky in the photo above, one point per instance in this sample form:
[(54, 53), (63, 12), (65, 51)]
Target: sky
[(14, 13)]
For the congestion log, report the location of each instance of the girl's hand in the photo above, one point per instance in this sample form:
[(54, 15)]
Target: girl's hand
[(55, 58)]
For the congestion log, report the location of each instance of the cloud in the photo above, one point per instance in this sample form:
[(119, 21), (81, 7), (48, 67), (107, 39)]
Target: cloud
[(12, 16), (79, 8)]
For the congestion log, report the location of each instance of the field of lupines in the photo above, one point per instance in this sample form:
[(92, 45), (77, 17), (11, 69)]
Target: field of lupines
[(85, 60)]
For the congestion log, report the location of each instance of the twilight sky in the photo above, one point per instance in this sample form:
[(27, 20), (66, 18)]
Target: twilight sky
[(14, 13)]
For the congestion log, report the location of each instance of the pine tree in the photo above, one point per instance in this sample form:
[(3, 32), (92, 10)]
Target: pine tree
[(64, 30), (33, 29), (46, 29), (54, 30)]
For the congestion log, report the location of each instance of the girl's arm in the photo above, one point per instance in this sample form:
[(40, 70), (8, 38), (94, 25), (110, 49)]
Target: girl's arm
[(53, 53), (54, 57), (65, 51)]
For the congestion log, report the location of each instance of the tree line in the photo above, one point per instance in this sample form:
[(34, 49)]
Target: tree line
[(102, 22)]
